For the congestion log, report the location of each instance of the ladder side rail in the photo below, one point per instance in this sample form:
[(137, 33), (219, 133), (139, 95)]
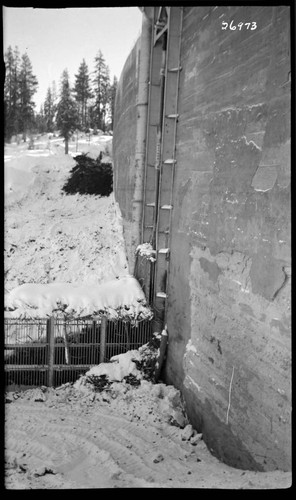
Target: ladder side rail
[(149, 138), (147, 143), (170, 94), (180, 13), (160, 166)]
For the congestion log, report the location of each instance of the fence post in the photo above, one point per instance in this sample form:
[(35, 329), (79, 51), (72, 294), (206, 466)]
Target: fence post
[(103, 339), (50, 341)]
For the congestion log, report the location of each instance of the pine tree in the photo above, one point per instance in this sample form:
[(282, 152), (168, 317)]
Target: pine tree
[(11, 91), (40, 121), (19, 88), (54, 93), (112, 99), (28, 86), (67, 116), (8, 90), (54, 96), (101, 91), (16, 92), (82, 94), (49, 110)]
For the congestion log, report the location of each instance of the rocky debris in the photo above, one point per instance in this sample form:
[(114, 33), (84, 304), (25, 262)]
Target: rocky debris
[(187, 432), (9, 398), (177, 418), (41, 471), (63, 386), (159, 458), (195, 439), (18, 462), (106, 399), (40, 396), (99, 382), (23, 464)]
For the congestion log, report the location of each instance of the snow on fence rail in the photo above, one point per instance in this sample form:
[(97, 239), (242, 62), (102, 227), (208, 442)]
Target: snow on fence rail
[(117, 299), (55, 350)]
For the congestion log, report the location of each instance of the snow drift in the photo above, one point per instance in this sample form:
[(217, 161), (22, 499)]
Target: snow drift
[(119, 298)]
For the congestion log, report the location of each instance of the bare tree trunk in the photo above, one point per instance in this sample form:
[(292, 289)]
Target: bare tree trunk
[(66, 145)]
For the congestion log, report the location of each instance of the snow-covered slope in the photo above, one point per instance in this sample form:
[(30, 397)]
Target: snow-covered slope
[(51, 237)]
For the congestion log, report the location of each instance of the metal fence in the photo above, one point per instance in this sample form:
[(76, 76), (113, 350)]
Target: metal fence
[(54, 351)]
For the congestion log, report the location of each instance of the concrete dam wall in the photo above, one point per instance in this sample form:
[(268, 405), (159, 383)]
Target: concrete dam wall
[(124, 145), (229, 284)]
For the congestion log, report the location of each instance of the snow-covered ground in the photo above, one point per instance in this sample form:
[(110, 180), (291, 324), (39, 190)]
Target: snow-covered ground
[(53, 237), (72, 436), (123, 437)]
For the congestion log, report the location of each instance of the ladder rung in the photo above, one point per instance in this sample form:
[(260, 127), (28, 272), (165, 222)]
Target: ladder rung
[(163, 250), (150, 204), (164, 232), (162, 295), (170, 161), (175, 70), (172, 116), (148, 227), (166, 207)]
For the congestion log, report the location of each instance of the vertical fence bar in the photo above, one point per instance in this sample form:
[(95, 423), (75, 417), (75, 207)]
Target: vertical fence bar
[(89, 343), (128, 346), (67, 350), (103, 339), (50, 342)]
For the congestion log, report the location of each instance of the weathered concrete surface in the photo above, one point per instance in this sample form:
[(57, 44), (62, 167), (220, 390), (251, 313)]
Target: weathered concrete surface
[(124, 145), (229, 284), (230, 274)]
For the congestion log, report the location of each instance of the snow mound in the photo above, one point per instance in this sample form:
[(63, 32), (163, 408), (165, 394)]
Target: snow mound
[(146, 250), (190, 347), (134, 364), (120, 366), (117, 298)]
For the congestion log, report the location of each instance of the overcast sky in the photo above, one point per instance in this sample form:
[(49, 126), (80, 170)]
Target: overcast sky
[(56, 39)]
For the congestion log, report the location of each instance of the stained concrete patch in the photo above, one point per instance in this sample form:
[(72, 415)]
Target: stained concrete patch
[(280, 327), (211, 268), (246, 309), (218, 436), (264, 178), (267, 276)]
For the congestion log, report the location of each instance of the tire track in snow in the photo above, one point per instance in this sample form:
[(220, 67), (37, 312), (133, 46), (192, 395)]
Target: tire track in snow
[(96, 445), (113, 442), (145, 442)]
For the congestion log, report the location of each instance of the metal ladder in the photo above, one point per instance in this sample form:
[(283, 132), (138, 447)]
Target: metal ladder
[(160, 156)]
